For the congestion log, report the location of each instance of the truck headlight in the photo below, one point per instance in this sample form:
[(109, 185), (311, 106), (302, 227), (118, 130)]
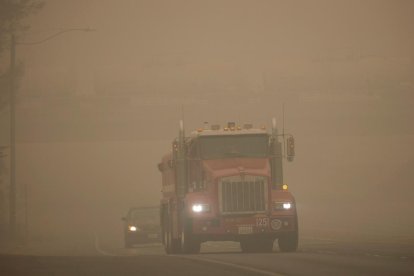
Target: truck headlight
[(287, 205), (198, 208), (282, 205)]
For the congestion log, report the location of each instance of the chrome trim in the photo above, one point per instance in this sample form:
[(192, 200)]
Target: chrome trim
[(243, 194)]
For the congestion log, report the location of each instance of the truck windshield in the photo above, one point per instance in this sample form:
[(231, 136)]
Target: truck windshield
[(230, 146)]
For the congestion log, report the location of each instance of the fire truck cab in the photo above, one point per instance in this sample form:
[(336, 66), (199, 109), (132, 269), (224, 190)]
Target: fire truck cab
[(226, 184)]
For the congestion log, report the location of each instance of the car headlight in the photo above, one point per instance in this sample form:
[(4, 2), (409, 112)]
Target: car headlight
[(198, 208), (133, 228), (282, 205)]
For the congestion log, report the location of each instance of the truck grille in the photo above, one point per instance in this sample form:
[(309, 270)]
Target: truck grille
[(243, 194)]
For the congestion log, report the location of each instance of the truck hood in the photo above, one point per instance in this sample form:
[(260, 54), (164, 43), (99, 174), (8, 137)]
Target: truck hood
[(234, 166)]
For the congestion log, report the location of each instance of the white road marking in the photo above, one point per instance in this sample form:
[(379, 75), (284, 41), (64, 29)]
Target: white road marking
[(248, 268), (251, 269)]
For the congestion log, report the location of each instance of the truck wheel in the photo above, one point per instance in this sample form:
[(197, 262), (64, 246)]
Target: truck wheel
[(288, 242), (165, 234), (189, 245), (265, 245), (175, 246), (167, 243), (256, 245), (172, 246), (248, 246)]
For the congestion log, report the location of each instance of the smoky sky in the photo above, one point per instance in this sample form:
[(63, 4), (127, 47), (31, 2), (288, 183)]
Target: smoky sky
[(205, 36)]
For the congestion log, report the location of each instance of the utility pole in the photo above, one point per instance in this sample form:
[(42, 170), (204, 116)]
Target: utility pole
[(12, 98)]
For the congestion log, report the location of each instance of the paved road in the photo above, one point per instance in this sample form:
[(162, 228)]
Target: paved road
[(315, 257)]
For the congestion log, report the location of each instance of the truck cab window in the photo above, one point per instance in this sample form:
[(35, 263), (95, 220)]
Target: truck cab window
[(231, 146)]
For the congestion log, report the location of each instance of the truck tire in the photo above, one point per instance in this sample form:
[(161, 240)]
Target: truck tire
[(256, 245), (288, 242), (175, 245), (265, 245), (164, 231), (172, 246), (247, 246), (189, 245), (167, 243)]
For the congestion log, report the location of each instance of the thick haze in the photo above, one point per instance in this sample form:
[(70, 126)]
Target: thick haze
[(97, 110)]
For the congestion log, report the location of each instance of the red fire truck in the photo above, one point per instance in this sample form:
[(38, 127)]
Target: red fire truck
[(226, 184)]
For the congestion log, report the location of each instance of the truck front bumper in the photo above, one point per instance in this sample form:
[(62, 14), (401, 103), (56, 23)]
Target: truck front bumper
[(239, 227)]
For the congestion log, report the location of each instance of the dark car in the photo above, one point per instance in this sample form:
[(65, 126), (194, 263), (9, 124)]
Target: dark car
[(141, 225)]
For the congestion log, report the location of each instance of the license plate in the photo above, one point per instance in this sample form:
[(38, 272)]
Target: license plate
[(246, 229), (152, 236)]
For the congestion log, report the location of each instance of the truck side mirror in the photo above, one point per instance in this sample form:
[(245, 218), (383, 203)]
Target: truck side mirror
[(290, 151)]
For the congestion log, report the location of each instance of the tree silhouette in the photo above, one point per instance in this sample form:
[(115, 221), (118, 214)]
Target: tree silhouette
[(12, 13)]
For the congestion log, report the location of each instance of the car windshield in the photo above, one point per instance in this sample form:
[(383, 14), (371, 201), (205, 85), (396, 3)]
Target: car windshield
[(144, 215), (230, 146)]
